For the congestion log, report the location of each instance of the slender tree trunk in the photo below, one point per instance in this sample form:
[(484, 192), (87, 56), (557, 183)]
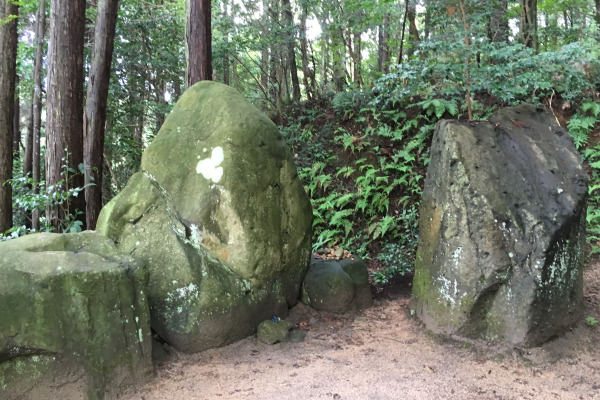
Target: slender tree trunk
[(529, 23), (357, 60), (8, 74), (466, 66), (339, 59), (64, 123), (274, 59), (291, 48), (264, 55), (16, 122), (27, 154), (307, 73), (498, 23), (401, 55), (383, 35), (226, 73), (198, 43), (95, 107), (40, 33), (412, 26), (427, 22)]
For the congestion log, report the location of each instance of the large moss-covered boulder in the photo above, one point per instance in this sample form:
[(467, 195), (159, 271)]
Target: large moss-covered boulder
[(74, 318), (219, 216), (502, 229)]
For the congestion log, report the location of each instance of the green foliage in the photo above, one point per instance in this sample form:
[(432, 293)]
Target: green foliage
[(25, 201), (510, 73), (591, 321), (373, 195), (582, 123), (580, 126)]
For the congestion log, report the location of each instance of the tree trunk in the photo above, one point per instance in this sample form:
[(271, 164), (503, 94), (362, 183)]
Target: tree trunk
[(16, 121), (357, 59), (291, 48), (40, 33), (427, 22), (498, 23), (412, 26), (304, 52), (339, 59), (198, 43), (401, 55), (64, 122), (264, 55), (8, 73), (274, 59), (529, 23), (95, 107), (226, 72), (383, 48)]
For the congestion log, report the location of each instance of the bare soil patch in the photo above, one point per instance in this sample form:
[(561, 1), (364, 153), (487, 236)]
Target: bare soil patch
[(385, 353)]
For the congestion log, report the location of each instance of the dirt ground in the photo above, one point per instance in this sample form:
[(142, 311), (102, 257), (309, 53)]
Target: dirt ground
[(385, 353)]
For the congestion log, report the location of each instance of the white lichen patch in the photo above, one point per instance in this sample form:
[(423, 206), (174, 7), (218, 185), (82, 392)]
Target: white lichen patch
[(182, 295), (448, 290), (196, 236), (210, 167), (456, 255)]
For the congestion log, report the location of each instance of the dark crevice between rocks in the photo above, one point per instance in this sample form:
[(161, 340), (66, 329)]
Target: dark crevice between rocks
[(161, 350), (12, 352), (477, 318)]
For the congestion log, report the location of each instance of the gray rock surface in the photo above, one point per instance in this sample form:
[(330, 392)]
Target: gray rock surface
[(502, 229), (74, 318), (220, 218), (337, 286)]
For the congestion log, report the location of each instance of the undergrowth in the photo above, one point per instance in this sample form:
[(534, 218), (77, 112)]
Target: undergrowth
[(362, 155)]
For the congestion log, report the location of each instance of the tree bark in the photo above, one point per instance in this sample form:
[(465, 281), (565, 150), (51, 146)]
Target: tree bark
[(198, 43), (412, 26), (529, 23), (226, 72), (8, 73), (357, 59), (291, 48), (264, 54), (498, 23), (383, 48), (64, 121), (95, 107), (304, 53), (40, 33), (17, 121), (401, 55)]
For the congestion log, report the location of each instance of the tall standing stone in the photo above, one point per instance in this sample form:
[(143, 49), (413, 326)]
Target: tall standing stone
[(502, 229), (219, 216)]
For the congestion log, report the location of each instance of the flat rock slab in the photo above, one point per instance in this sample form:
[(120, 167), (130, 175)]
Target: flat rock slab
[(74, 318), (502, 229)]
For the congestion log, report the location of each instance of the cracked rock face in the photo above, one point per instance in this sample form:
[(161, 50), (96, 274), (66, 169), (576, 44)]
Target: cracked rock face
[(220, 218), (502, 229)]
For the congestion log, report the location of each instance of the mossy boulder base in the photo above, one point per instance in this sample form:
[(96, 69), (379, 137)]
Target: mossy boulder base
[(502, 229), (74, 318), (219, 216)]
